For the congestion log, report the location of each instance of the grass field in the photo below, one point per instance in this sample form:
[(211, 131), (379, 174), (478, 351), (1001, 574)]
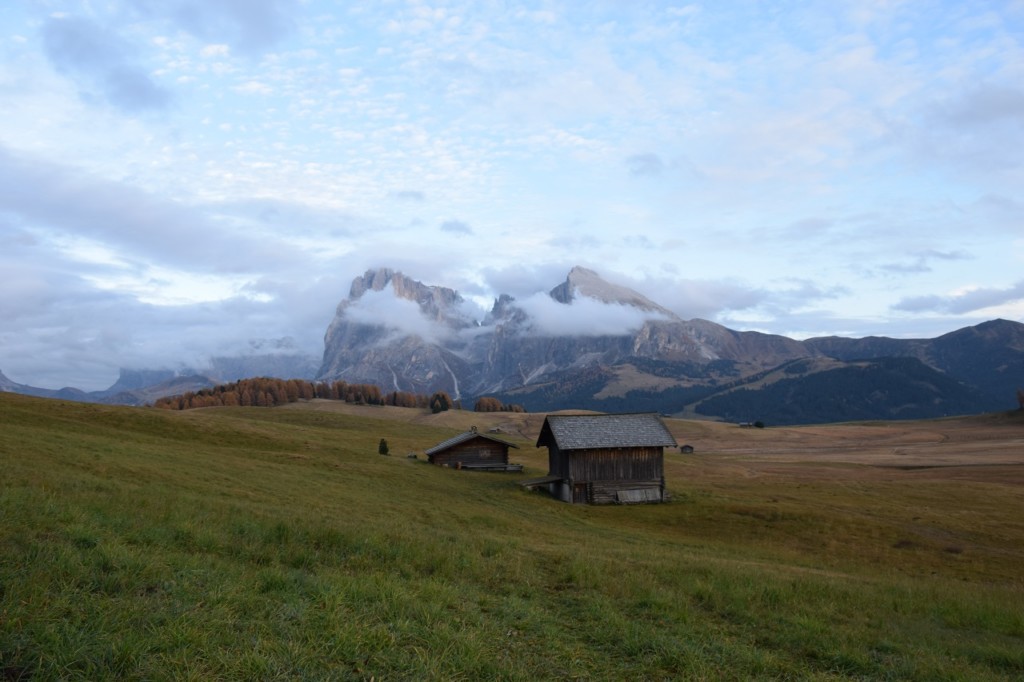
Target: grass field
[(255, 543)]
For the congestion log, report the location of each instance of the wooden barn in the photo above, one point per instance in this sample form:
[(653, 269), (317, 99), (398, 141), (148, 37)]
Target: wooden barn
[(473, 450), (605, 458)]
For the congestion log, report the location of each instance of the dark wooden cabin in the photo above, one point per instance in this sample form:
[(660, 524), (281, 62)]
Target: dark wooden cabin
[(473, 450), (605, 458)]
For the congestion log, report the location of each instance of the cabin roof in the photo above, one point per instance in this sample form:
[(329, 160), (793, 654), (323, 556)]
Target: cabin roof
[(587, 431), (462, 438)]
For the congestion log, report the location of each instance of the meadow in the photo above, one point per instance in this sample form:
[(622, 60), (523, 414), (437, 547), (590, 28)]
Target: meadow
[(277, 544)]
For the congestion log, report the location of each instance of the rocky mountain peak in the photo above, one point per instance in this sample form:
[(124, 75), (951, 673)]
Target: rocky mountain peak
[(587, 283), (435, 302), (372, 280)]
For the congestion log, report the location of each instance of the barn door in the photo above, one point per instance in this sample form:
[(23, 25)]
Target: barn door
[(579, 493)]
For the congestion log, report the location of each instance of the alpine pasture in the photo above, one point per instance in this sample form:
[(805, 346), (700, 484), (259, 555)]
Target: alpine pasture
[(277, 543)]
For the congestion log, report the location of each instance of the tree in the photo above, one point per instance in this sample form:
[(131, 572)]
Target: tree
[(440, 402), (383, 447), (487, 404)]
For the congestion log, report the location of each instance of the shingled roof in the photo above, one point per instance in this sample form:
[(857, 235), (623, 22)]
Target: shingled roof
[(462, 438), (587, 431)]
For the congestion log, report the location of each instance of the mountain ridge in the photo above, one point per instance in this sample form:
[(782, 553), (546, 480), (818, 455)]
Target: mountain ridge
[(589, 343), (518, 354)]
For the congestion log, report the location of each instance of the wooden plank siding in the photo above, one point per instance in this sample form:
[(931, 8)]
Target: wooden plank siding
[(595, 476), (615, 464), (606, 459), (607, 492), (478, 451)]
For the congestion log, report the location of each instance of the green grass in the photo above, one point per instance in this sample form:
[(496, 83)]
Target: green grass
[(270, 544)]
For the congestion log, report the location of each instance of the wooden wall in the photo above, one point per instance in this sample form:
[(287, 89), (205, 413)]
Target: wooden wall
[(596, 476), (475, 451), (615, 464), (607, 492)]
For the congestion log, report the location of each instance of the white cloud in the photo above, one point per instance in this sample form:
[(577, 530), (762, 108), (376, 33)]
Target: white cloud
[(254, 88), (972, 299), (796, 167), (210, 51), (582, 317), (399, 315)]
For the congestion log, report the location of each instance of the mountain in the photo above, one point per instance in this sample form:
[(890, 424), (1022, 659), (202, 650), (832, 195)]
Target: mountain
[(432, 345), (598, 345), (67, 393), (409, 339), (592, 344), (829, 390), (143, 386), (988, 356)]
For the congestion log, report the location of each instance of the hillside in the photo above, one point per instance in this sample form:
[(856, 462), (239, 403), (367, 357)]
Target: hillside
[(255, 543)]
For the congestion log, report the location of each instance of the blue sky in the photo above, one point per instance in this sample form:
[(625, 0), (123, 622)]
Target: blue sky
[(187, 178)]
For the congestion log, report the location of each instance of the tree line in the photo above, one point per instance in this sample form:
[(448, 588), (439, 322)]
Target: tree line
[(269, 392)]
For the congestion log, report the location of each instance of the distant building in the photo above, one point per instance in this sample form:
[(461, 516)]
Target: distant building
[(473, 450), (604, 458), (686, 449)]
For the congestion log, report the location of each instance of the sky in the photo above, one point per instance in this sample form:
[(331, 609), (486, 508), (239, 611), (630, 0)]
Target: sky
[(181, 179)]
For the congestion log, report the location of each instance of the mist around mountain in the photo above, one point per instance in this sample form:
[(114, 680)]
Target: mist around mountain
[(591, 344)]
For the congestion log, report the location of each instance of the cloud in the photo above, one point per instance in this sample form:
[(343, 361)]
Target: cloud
[(583, 317), (215, 50), (100, 59), (400, 315), (57, 328), (640, 165), (970, 301), (250, 26), (253, 88), (688, 298), (978, 127), (276, 216), (456, 227), (807, 228), (986, 104), (522, 281), (922, 262), (408, 195), (49, 196)]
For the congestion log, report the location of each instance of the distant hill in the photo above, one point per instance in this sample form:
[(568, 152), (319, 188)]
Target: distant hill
[(142, 387), (804, 392), (989, 357)]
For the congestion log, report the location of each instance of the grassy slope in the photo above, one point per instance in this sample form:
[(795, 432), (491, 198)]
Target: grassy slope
[(276, 544)]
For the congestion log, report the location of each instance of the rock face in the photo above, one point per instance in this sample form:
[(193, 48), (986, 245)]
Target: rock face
[(401, 334), (508, 349), (401, 349), (592, 344)]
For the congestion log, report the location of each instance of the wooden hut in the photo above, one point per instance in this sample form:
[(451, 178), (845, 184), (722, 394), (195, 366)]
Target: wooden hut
[(473, 450), (605, 458)]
